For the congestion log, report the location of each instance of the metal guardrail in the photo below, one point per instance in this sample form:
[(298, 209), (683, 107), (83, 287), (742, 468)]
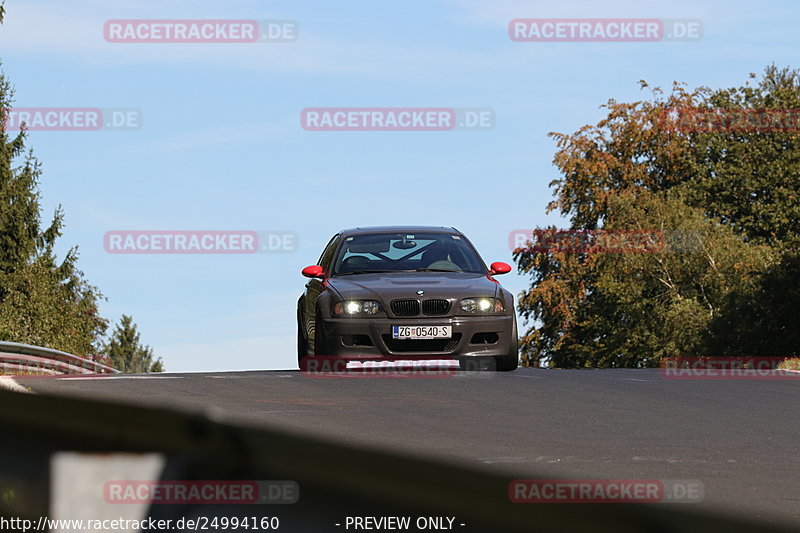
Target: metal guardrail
[(22, 358)]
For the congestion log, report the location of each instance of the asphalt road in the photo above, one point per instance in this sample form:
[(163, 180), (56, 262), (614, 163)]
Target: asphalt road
[(740, 439)]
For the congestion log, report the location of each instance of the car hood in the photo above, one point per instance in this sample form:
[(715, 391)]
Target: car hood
[(393, 285)]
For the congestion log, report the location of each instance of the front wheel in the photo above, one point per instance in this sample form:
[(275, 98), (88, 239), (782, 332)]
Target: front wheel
[(510, 362), (302, 348), (320, 343)]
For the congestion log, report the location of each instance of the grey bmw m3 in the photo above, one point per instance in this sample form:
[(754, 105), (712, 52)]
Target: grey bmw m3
[(406, 293)]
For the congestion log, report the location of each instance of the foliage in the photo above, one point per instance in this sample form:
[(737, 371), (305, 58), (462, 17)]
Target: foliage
[(126, 353), (42, 301), (726, 199)]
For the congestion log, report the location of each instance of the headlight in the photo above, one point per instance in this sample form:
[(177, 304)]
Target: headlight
[(356, 307), (482, 305)]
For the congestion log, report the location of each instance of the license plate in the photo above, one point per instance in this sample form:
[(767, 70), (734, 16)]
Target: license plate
[(422, 332)]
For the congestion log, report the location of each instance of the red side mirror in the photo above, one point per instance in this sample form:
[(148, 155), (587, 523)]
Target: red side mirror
[(313, 271), (500, 268)]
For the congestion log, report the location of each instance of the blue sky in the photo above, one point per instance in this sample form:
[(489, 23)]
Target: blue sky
[(221, 146)]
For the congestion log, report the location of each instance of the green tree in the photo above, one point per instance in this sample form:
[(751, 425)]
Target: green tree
[(42, 301), (748, 180), (731, 193), (751, 180), (125, 352), (763, 320), (613, 309)]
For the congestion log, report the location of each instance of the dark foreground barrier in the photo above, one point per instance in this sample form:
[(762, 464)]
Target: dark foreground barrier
[(341, 487)]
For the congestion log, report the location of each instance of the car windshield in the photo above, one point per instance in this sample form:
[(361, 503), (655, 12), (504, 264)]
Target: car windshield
[(406, 252)]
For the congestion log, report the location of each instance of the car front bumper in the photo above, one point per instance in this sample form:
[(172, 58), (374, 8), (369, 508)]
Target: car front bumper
[(371, 338)]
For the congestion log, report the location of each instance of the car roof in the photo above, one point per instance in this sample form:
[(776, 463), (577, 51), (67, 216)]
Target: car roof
[(398, 229)]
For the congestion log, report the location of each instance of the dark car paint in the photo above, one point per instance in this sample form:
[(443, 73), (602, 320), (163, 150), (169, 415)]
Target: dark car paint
[(391, 285), (314, 307)]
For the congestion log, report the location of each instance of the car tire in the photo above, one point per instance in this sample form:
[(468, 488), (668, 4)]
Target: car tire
[(319, 336), (302, 346), (510, 362), (507, 363)]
